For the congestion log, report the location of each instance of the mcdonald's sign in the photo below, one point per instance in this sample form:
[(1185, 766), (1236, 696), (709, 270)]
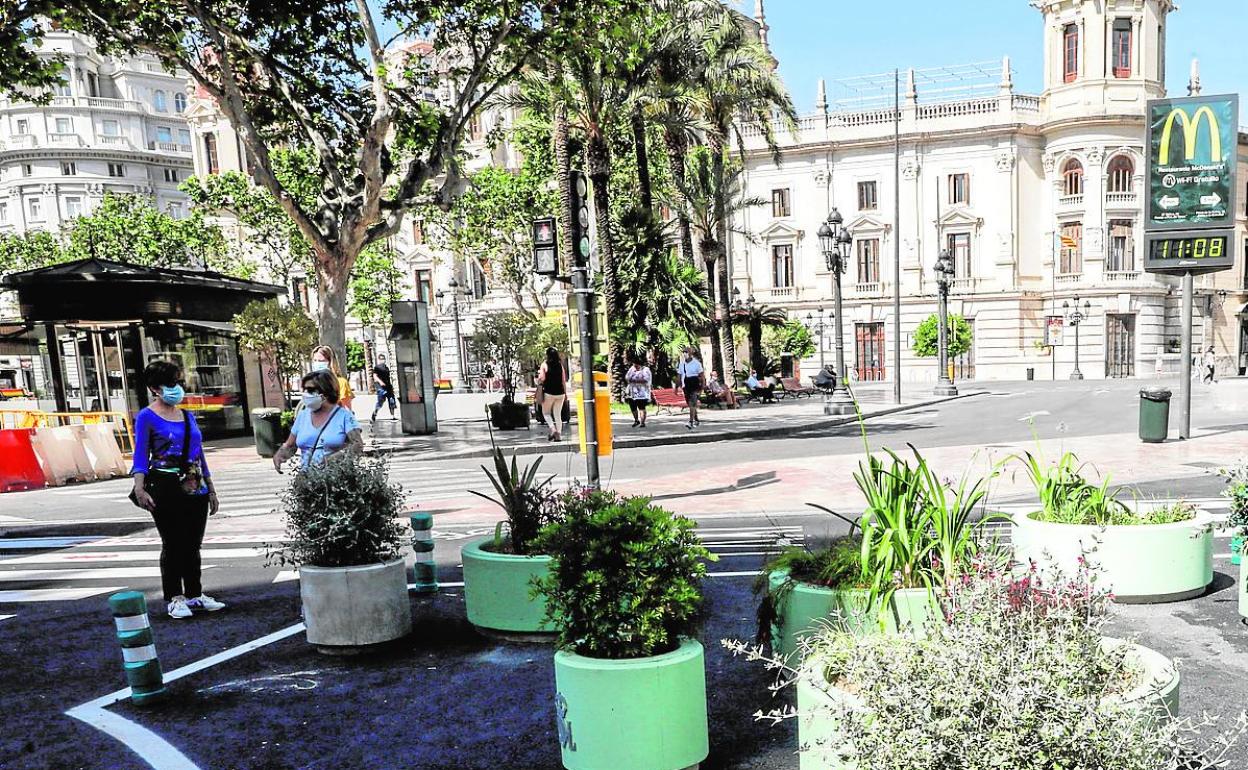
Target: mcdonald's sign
[(1191, 162)]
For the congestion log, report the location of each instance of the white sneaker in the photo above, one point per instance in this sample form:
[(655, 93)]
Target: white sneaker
[(178, 608), (206, 603)]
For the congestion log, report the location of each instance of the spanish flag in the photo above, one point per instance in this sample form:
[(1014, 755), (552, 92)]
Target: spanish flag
[(1069, 243)]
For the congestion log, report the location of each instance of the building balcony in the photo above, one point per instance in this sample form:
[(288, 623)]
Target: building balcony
[(118, 142), (20, 142), (867, 289), (965, 285), (1070, 202), (89, 102), (1124, 276), (777, 293), (1068, 279), (64, 140), (1122, 200), (184, 149)]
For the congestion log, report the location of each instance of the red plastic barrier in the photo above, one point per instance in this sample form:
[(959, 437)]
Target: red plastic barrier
[(19, 467)]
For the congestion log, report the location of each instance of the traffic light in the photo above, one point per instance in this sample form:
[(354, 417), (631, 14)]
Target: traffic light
[(545, 247), (580, 218)]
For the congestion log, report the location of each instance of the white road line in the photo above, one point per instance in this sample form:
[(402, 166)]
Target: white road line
[(23, 543), (103, 573), (123, 542), (81, 556), (55, 594), (285, 575), (6, 617), (745, 573), (13, 519)]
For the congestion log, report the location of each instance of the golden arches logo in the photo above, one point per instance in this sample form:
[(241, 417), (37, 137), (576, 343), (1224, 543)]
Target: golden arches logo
[(1191, 126)]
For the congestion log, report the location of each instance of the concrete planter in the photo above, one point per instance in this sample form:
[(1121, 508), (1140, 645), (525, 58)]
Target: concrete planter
[(496, 590), (1141, 564), (1243, 587), (808, 608), (641, 714), (817, 731), (346, 608)]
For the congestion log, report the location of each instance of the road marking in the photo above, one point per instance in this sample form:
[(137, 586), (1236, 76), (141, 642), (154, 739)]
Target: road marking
[(285, 575), (6, 617), (745, 573), (77, 556), (14, 518), (55, 594), (103, 573), (1032, 415), (21, 543)]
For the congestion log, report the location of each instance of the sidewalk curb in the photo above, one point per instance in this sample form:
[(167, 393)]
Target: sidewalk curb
[(692, 437)]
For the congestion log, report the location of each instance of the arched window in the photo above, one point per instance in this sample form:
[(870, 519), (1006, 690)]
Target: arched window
[(1070, 53), (179, 102), (159, 100), (1121, 171), (1072, 177)]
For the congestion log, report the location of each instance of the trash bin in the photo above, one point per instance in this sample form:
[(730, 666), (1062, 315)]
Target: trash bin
[(266, 424), (1154, 415), (1031, 373)]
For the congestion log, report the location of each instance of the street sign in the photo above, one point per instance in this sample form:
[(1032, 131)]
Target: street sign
[(600, 326), (1053, 326), (545, 247), (1192, 144), (1203, 251)]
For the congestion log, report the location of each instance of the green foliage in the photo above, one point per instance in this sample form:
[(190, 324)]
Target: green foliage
[(282, 335), (30, 250), (525, 500), (1066, 497), (837, 565), (625, 579), (508, 339), (926, 340), (355, 356), (551, 333), (375, 283), (793, 338), (342, 512), (1237, 492)]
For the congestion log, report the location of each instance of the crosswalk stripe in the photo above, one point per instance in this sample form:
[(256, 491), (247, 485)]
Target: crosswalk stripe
[(102, 573), (79, 556), (22, 543), (55, 594), (6, 617)]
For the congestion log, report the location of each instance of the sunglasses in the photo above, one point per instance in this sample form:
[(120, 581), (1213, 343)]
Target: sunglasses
[(312, 391)]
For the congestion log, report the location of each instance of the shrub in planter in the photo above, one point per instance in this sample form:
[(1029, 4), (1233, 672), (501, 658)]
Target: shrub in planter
[(624, 591), (1237, 492), (915, 534), (345, 535), (1144, 552), (1016, 674)]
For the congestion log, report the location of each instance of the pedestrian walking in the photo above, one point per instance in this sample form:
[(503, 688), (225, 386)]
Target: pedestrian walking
[(322, 427), (172, 481), (639, 380), (324, 359), (692, 376), (381, 381), (1210, 364), (552, 378)]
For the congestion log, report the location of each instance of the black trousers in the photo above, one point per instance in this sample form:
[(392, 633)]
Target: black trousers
[(180, 520)]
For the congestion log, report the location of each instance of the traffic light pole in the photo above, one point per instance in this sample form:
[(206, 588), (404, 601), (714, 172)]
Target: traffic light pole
[(1185, 372), (588, 415)]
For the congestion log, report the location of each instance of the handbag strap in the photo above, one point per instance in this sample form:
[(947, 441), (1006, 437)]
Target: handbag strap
[(330, 419)]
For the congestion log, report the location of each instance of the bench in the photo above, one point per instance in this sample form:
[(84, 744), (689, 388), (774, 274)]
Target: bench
[(792, 387), (668, 398)]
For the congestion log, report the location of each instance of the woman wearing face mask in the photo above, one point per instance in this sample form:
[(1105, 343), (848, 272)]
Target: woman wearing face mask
[(323, 426), (171, 480), (324, 359)]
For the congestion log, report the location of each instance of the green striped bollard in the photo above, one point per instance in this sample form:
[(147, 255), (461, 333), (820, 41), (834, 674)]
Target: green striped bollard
[(138, 648), (422, 544)]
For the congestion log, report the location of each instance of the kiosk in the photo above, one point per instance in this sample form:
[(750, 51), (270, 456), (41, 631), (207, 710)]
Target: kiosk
[(414, 364)]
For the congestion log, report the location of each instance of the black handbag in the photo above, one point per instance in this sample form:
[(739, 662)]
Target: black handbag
[(186, 473)]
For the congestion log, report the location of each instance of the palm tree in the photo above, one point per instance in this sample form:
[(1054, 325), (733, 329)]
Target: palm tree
[(712, 203), (756, 317)]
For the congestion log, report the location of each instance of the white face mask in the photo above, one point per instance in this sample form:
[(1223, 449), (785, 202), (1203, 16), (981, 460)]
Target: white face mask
[(320, 366), (313, 401)]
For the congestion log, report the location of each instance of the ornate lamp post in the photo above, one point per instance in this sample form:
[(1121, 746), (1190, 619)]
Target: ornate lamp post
[(462, 379), (818, 326), (835, 242), (1074, 317), (944, 273)]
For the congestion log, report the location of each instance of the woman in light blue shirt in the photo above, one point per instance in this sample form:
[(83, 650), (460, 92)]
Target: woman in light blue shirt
[(323, 426)]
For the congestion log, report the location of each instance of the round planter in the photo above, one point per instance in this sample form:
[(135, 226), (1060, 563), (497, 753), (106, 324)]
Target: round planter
[(817, 729), (346, 608), (808, 608), (1141, 563), (1237, 549), (642, 714), (1243, 587), (496, 590)]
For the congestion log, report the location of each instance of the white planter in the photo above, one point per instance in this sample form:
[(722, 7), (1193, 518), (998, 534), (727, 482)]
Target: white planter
[(1139, 563), (352, 607)]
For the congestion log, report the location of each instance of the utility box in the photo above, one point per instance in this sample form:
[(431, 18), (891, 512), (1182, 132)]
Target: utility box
[(413, 360), (602, 412)]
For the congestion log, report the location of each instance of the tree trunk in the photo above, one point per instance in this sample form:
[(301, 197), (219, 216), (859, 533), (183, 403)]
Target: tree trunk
[(333, 274), (676, 149), (713, 323), (721, 255), (598, 161), (643, 160), (563, 172)]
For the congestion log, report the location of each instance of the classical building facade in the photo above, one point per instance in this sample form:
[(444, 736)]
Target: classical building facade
[(1038, 198), (112, 125)]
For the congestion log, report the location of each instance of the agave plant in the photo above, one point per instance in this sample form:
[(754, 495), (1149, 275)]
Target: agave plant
[(1066, 496), (526, 501)]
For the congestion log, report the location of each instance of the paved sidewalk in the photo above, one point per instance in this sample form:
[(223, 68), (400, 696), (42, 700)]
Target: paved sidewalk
[(794, 416)]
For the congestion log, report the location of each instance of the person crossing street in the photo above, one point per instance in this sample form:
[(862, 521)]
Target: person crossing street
[(385, 391)]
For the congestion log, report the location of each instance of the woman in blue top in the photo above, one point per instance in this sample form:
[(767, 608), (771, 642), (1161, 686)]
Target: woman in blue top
[(322, 426), (171, 480)]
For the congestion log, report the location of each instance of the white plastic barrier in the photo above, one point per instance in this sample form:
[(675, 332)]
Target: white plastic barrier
[(100, 443), (62, 455)]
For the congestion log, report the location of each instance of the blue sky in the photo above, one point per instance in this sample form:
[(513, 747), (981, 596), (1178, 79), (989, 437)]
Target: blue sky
[(836, 39)]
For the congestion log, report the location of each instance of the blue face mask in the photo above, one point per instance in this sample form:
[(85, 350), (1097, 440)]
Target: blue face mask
[(172, 395), (320, 366)]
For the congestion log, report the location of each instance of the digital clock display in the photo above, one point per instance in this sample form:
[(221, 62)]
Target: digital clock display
[(1200, 247)]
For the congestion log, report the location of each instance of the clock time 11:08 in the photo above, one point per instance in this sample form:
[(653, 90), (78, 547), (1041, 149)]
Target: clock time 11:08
[(1190, 247)]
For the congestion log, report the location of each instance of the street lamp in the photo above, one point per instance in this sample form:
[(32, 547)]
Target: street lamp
[(818, 326), (944, 273), (1075, 317), (754, 333), (459, 340), (835, 242)]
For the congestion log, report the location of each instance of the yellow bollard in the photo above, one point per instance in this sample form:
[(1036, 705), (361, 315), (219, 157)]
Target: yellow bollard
[(602, 413)]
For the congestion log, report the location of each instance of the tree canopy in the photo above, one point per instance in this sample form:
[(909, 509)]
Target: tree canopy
[(927, 335)]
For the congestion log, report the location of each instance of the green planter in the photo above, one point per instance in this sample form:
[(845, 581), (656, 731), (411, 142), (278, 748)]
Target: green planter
[(1237, 549), (807, 608), (496, 589), (640, 714), (1243, 588), (1141, 563), (817, 731)]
